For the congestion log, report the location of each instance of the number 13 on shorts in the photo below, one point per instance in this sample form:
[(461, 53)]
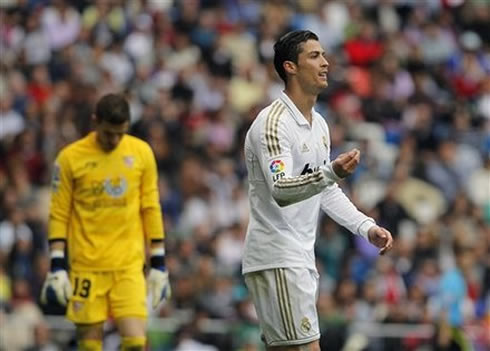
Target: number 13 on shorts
[(80, 306), (82, 285)]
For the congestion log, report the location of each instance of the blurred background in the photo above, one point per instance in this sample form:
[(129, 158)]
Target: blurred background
[(409, 84)]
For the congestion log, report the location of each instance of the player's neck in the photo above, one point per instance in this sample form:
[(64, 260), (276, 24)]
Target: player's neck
[(304, 102)]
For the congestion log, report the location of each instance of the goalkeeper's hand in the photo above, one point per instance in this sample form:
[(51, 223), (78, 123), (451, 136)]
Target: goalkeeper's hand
[(158, 282), (158, 286), (56, 288)]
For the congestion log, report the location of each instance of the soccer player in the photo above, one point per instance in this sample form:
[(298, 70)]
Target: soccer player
[(287, 151), (105, 212)]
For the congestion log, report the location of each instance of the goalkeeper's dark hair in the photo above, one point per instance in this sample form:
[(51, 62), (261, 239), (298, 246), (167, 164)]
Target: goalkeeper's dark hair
[(288, 48), (113, 109)]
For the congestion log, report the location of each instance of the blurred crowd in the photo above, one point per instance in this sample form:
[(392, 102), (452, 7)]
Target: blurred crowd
[(409, 84)]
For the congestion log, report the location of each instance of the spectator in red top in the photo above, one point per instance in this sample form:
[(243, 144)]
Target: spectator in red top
[(39, 88), (366, 48)]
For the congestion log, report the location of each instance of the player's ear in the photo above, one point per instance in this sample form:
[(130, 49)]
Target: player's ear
[(290, 67)]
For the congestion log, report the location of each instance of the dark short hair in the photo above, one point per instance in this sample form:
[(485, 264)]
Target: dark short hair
[(112, 108), (288, 47)]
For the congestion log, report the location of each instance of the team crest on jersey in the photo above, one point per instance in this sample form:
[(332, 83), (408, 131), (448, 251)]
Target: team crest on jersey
[(128, 161), (115, 187), (305, 325), (305, 148)]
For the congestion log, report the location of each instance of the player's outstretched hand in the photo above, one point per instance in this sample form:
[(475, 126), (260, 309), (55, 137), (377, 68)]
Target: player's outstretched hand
[(381, 238), (345, 164), (56, 288), (158, 286)]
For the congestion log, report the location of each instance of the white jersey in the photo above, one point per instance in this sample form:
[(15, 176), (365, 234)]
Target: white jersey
[(290, 179)]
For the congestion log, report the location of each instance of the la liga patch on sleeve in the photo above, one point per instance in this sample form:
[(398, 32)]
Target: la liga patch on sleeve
[(277, 168), (56, 178)]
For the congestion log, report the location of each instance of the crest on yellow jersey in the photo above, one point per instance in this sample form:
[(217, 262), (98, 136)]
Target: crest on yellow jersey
[(128, 161)]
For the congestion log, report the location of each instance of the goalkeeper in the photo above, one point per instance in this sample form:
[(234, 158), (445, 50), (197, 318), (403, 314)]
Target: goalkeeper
[(105, 213)]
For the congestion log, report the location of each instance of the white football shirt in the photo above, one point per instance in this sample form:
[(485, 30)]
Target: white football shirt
[(290, 178)]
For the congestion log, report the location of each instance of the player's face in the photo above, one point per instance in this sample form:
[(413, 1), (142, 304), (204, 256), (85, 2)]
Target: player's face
[(312, 68), (109, 135)]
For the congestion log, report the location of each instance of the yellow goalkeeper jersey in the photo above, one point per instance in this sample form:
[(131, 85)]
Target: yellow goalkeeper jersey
[(105, 203)]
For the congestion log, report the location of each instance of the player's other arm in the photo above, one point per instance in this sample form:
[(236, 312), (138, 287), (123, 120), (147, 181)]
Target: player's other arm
[(57, 288), (150, 205), (339, 207), (158, 280)]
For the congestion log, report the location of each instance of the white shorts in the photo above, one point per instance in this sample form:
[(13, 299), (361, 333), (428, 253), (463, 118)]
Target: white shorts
[(285, 301)]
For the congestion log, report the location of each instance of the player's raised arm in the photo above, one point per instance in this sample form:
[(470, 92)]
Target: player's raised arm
[(277, 163)]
